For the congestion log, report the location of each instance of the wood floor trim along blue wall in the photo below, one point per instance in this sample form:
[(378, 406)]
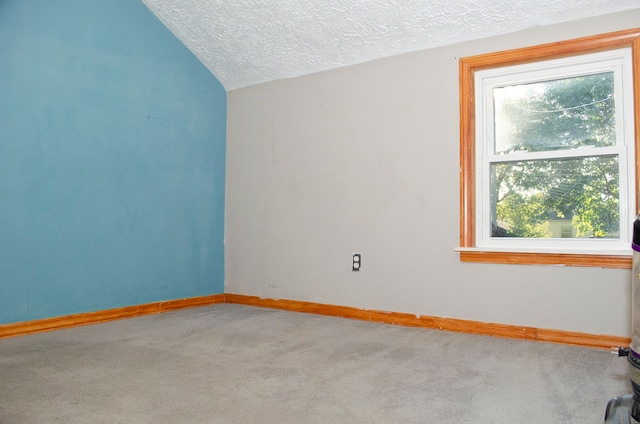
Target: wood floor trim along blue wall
[(76, 320)]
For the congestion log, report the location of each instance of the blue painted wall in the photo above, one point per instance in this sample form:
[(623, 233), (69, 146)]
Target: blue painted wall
[(112, 161)]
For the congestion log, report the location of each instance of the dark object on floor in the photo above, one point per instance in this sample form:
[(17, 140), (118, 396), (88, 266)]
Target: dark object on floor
[(621, 410)]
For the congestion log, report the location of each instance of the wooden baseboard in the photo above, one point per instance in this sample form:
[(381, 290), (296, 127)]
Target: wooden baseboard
[(448, 324), (49, 324), (398, 318)]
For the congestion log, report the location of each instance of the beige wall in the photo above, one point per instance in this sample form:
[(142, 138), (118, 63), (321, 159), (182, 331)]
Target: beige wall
[(365, 159)]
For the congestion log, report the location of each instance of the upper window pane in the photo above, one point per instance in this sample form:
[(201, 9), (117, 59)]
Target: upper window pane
[(559, 114)]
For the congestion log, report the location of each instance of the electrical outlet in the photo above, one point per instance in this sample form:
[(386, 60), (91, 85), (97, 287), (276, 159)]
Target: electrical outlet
[(357, 262)]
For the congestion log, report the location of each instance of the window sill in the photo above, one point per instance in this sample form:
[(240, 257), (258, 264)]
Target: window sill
[(617, 259)]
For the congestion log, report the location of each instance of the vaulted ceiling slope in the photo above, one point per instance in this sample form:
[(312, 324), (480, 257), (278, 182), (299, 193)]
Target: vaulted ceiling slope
[(247, 42)]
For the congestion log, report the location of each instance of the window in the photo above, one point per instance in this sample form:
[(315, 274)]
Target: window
[(548, 153), (553, 145)]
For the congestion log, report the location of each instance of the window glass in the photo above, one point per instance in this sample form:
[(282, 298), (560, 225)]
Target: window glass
[(564, 113), (538, 198)]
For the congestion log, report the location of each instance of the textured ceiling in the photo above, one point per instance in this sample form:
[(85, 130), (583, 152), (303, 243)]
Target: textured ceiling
[(246, 42)]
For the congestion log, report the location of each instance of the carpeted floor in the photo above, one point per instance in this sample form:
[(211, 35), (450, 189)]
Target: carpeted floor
[(237, 364)]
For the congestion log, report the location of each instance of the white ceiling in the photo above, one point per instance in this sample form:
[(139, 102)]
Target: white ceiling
[(247, 42)]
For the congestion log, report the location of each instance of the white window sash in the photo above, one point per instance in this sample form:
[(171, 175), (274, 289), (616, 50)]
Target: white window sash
[(619, 62)]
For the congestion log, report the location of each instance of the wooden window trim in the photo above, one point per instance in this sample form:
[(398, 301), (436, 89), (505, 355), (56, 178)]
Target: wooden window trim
[(468, 66)]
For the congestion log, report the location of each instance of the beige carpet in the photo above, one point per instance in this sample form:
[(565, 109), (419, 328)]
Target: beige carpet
[(238, 364)]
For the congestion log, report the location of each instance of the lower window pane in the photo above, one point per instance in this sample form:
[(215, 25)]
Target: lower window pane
[(559, 198)]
